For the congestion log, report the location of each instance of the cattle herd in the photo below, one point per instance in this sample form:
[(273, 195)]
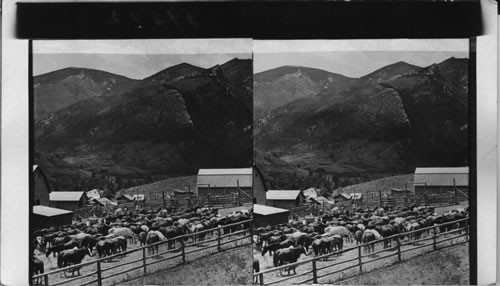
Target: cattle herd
[(112, 233), (330, 232)]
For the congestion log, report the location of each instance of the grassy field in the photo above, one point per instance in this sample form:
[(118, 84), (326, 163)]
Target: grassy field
[(232, 267), (382, 184), (168, 185), (446, 267)]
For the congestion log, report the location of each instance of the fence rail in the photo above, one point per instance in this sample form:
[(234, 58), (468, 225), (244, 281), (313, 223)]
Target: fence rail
[(145, 257), (360, 256)]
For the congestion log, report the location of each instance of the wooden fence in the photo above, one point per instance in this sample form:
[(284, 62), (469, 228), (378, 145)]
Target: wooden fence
[(434, 200), (359, 259), (99, 273)]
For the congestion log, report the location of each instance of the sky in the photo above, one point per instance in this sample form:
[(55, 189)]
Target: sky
[(136, 59), (135, 66), (350, 63)]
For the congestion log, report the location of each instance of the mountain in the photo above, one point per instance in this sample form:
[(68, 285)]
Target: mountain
[(390, 71), (61, 88), (170, 124), (385, 123), (172, 73), (279, 86)]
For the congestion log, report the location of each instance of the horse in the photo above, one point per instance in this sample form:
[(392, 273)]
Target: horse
[(72, 257), (151, 238), (142, 238), (38, 268), (273, 247), (289, 255), (368, 236), (119, 244), (60, 247), (195, 228), (256, 269), (358, 237), (104, 247), (340, 230), (123, 231)]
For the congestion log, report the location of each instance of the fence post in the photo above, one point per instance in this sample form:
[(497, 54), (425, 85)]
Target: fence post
[(359, 259), (218, 239), (434, 238), (99, 275), (183, 251), (46, 279), (144, 259), (261, 278), (399, 248), (315, 275), (467, 230)]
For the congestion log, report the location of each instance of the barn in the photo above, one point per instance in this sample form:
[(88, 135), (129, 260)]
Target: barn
[(259, 187), (40, 190), (440, 181), (68, 200), (287, 199), (343, 199), (124, 199), (266, 215), (44, 217), (220, 182)]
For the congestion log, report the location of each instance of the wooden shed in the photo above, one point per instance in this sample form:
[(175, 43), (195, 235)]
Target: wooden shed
[(45, 217), (220, 182), (266, 215), (68, 200), (287, 199), (441, 181), (40, 191), (259, 187)]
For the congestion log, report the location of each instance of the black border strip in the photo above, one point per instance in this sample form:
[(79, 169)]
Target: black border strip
[(31, 136), (473, 160), (244, 19)]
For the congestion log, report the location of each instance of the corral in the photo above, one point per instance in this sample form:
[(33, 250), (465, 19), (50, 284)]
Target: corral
[(320, 265), (169, 252)]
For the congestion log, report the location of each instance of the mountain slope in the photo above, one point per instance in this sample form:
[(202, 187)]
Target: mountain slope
[(59, 89), (170, 124), (386, 123), (277, 87)]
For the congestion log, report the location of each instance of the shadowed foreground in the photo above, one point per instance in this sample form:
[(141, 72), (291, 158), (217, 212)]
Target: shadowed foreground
[(445, 267)]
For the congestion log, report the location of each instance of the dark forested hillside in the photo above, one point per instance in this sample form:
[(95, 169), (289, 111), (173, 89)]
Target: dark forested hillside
[(385, 123)]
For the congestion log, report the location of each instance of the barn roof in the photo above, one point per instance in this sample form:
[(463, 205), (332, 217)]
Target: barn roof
[(222, 178), (267, 210), (105, 201), (65, 196), (441, 176), (47, 211), (282, 194), (322, 200), (445, 170)]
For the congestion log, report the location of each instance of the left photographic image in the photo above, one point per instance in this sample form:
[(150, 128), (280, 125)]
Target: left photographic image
[(141, 157)]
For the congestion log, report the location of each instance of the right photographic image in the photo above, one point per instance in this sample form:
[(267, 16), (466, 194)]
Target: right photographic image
[(363, 153)]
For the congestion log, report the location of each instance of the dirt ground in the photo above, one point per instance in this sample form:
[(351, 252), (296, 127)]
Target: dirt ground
[(50, 263), (446, 267), (233, 267), (324, 276)]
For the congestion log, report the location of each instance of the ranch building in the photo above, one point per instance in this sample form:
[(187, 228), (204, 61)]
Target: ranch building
[(259, 187), (266, 215), (442, 181), (347, 200), (287, 199), (221, 182), (68, 200), (44, 217), (125, 199), (40, 190)]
